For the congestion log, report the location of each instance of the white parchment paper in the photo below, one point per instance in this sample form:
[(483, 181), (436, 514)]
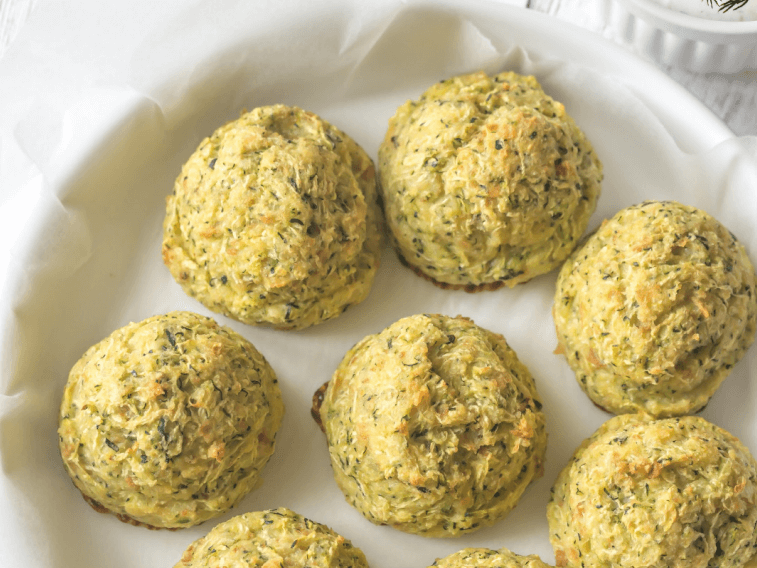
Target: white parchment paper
[(94, 130)]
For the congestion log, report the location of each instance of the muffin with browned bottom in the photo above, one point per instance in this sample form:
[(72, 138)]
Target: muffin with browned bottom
[(274, 220), (654, 309), (434, 426), (486, 181), (645, 493), (169, 421), (268, 539)]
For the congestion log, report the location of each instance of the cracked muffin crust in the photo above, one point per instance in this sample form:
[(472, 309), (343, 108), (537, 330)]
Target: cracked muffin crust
[(655, 308), (643, 493), (274, 220), (486, 181), (434, 426), (169, 421), (274, 538), (487, 558)]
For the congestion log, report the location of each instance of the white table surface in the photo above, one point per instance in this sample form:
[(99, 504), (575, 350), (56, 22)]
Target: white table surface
[(733, 98)]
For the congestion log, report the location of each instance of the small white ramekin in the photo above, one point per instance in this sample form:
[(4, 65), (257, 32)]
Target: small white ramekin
[(672, 38)]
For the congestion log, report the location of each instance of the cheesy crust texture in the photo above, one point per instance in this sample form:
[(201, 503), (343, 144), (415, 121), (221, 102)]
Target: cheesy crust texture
[(486, 181), (270, 539), (169, 421), (646, 493), (434, 426), (655, 309), (274, 220), (487, 558)]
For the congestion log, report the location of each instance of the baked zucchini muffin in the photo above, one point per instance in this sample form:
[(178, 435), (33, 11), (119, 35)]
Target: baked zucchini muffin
[(271, 539), (486, 181), (644, 493), (434, 426), (168, 422), (274, 220), (655, 309), (486, 558)]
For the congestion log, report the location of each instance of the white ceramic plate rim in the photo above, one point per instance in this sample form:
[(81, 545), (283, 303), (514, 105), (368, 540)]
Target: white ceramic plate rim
[(692, 27)]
